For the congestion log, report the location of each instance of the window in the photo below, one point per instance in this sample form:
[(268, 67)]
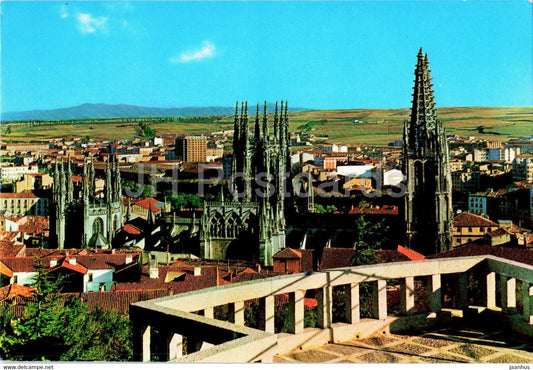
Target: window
[(90, 277), (482, 229), (470, 229), (15, 279), (489, 229), (101, 287)]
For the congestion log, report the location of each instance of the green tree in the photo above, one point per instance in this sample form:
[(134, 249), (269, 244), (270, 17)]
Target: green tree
[(54, 328), (148, 191)]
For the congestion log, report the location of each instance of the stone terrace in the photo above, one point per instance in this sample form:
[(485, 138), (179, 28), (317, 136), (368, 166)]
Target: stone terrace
[(483, 290), (449, 345)]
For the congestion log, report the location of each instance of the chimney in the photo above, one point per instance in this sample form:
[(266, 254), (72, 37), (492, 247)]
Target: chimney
[(72, 260), (197, 271), (53, 262), (129, 259), (154, 272)]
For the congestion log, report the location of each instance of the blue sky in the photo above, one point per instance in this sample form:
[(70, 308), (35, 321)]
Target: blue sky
[(323, 55)]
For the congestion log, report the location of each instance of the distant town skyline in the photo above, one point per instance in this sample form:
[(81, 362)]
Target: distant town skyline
[(323, 55)]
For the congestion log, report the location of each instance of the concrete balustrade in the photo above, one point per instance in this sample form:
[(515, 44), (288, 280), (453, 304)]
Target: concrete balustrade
[(527, 301), (267, 311), (379, 299), (324, 299), (209, 312), (232, 341), (434, 293), (407, 295), (352, 304), (491, 290), (296, 309), (236, 312), (508, 293)]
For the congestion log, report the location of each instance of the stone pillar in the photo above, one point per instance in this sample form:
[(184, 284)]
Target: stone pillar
[(296, 307), (352, 305), (379, 299), (324, 300), (491, 289), (145, 335), (527, 301), (407, 295), (461, 290), (209, 312), (508, 293), (175, 346), (236, 312), (434, 293), (267, 309)]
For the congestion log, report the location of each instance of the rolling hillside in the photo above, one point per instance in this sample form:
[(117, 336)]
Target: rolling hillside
[(355, 126)]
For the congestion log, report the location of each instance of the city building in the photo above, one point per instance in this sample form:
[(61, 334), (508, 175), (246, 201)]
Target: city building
[(191, 148), (468, 227), (25, 203)]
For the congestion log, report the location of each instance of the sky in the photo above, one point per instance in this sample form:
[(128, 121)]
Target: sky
[(322, 55)]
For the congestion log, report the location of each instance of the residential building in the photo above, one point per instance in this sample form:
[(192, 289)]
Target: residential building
[(14, 173), (468, 227), (191, 148), (25, 203)]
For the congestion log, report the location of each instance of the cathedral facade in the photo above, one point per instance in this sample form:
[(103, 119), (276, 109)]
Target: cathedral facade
[(80, 218), (428, 201), (251, 223)]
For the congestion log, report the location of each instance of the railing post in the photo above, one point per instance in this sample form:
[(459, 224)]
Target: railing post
[(267, 309), (296, 307), (508, 293), (145, 335), (379, 299), (491, 289), (407, 295), (236, 312), (209, 312), (461, 290), (434, 293), (352, 305), (527, 301), (324, 302), (175, 346)]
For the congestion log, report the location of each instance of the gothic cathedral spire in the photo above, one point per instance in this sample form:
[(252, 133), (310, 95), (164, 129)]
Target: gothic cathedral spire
[(428, 202)]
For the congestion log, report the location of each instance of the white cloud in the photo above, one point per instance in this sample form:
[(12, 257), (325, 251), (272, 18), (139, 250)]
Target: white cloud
[(207, 50), (89, 24), (63, 12)]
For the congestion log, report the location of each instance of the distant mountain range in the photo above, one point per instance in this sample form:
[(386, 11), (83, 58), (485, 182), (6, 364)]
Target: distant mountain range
[(92, 111)]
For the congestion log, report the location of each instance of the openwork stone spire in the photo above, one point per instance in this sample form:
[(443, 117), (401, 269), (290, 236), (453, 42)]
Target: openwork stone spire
[(428, 200), (423, 120)]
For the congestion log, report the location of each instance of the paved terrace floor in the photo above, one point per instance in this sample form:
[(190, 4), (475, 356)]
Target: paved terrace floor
[(450, 345)]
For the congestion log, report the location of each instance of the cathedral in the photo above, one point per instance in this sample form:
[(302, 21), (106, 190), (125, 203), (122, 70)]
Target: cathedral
[(428, 201), (251, 223), (80, 218)]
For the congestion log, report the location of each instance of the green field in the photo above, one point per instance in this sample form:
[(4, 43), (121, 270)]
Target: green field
[(378, 127)]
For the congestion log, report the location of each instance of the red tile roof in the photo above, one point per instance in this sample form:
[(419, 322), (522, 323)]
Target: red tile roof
[(130, 229), (336, 257), (10, 249), (466, 219), (66, 264), (25, 194), (288, 253), (14, 290), (411, 254), (477, 248), (149, 202)]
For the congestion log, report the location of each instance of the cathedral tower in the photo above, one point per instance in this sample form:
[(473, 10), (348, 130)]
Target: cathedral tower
[(428, 202)]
